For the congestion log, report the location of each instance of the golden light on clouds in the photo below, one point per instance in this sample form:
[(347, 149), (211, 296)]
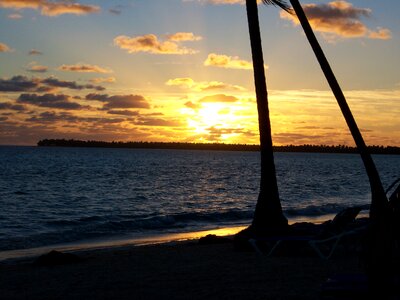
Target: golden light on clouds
[(34, 67), (84, 68), (189, 83), (229, 62), (152, 44), (339, 19), (146, 73), (298, 116), (51, 8), (103, 80), (183, 36), (4, 48), (34, 52)]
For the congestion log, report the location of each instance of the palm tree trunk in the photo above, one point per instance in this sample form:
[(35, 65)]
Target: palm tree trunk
[(268, 216), (380, 236)]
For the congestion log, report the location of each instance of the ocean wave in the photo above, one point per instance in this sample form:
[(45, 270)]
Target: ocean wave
[(320, 210), (91, 227)]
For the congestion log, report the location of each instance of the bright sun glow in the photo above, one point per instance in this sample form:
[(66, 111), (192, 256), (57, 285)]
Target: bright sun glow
[(212, 114)]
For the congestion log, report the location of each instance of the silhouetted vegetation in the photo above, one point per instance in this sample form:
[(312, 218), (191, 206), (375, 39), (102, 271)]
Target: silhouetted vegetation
[(213, 146)]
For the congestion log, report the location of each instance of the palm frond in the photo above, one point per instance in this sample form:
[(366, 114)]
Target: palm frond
[(281, 3)]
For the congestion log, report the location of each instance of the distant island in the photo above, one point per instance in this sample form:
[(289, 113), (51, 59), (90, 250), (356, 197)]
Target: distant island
[(213, 146)]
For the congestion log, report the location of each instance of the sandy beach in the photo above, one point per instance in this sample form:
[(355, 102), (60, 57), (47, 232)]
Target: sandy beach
[(179, 270)]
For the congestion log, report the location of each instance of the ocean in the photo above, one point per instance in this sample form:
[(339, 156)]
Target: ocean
[(52, 196)]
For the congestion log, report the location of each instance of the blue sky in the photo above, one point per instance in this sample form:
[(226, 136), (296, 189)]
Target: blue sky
[(195, 76)]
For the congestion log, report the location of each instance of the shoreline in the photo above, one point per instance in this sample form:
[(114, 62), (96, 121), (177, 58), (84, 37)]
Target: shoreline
[(140, 239), (375, 149), (115, 243)]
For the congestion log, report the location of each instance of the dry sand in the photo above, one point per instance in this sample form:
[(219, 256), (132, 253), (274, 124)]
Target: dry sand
[(184, 270)]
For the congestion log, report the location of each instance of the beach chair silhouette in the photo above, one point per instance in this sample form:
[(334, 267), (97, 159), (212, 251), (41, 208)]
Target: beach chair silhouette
[(324, 243), (355, 285)]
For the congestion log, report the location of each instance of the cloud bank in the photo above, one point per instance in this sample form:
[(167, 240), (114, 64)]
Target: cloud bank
[(60, 101), (189, 83), (228, 62), (84, 68), (339, 19), (150, 43), (119, 101), (51, 8), (24, 84)]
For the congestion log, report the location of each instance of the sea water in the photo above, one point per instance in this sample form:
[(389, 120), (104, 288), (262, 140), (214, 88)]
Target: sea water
[(72, 195)]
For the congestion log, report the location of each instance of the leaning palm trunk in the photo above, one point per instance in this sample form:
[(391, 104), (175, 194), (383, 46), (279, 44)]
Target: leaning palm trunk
[(268, 216), (379, 249)]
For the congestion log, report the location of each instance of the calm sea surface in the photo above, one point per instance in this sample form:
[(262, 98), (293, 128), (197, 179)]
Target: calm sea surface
[(59, 195)]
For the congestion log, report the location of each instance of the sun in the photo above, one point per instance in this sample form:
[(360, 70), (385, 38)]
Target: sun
[(212, 117), (213, 114)]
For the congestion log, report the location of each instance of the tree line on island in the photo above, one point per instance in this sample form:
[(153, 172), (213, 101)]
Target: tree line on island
[(213, 146)]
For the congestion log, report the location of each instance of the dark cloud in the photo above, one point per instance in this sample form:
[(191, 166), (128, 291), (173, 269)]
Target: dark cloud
[(157, 122), (49, 100), (119, 101), (24, 84), (51, 81), (55, 125), (35, 52), (52, 117), (115, 11), (123, 112), (12, 106), (19, 84)]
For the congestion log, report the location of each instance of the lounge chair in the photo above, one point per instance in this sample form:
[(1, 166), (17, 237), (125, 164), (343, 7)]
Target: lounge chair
[(355, 286), (323, 243), (345, 286)]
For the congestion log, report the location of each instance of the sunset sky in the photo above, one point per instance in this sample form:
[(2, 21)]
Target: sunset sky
[(180, 70)]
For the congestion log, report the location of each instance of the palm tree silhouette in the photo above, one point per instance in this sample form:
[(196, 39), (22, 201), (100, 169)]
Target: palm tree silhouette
[(379, 247), (268, 215)]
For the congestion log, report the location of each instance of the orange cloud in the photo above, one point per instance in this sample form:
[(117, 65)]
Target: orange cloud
[(33, 67), (339, 19), (151, 44), (103, 80), (192, 105), (189, 83), (229, 62), (183, 36), (51, 8), (35, 52), (4, 48), (84, 68), (218, 98), (146, 121)]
